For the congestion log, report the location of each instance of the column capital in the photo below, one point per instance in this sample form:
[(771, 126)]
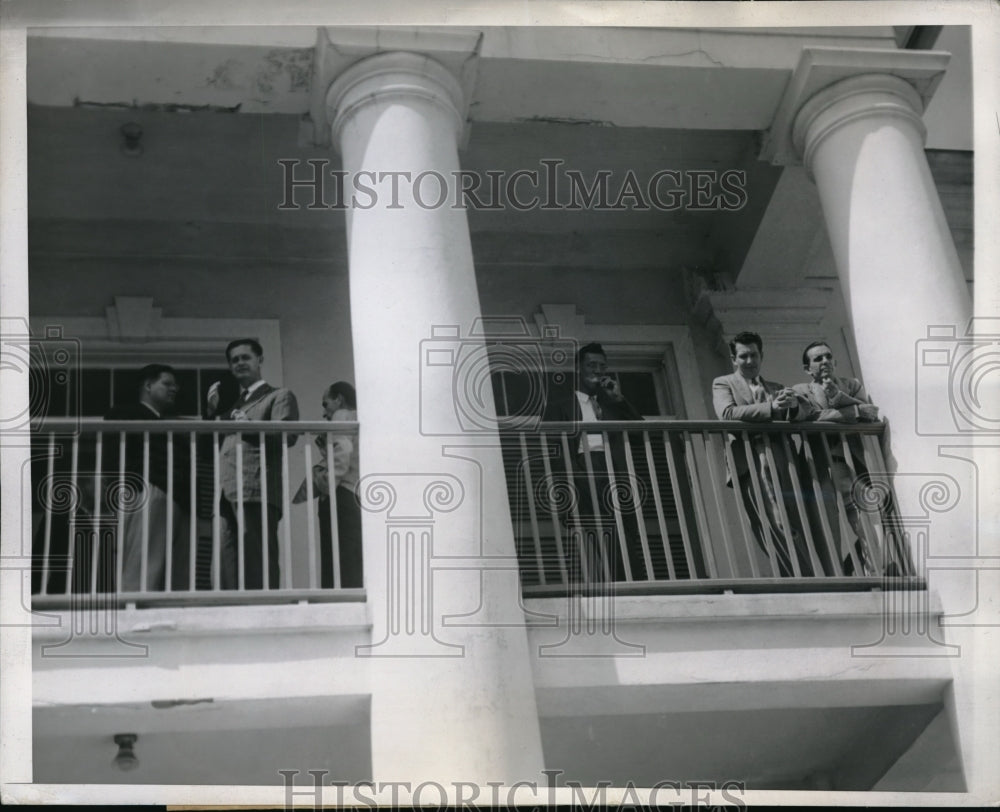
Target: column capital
[(394, 75), (838, 84), (341, 50), (865, 96)]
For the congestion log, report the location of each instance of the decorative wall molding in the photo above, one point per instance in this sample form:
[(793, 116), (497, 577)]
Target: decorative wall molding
[(134, 332)]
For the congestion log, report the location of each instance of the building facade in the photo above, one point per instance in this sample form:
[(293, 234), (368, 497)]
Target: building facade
[(444, 216)]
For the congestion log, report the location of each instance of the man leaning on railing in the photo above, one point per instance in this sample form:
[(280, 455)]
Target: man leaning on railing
[(242, 464), (838, 399), (745, 395)]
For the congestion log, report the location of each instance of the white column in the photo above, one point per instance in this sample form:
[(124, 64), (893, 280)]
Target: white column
[(862, 139), (448, 703)]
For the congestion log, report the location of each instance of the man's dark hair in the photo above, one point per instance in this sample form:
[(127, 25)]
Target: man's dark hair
[(152, 372), (252, 343), (593, 348), (746, 338), (805, 353), (344, 390)]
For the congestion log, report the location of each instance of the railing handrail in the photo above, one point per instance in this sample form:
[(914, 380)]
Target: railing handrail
[(93, 425), (515, 425), (90, 425)]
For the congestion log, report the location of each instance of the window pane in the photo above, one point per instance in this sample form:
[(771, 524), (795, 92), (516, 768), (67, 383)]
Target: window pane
[(639, 389), (126, 386), (187, 394), (95, 392)]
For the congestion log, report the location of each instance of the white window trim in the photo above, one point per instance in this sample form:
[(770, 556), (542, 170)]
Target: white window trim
[(633, 347)]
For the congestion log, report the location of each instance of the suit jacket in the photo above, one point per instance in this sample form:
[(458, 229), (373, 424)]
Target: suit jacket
[(568, 410), (840, 410), (734, 400), (157, 452), (265, 403)]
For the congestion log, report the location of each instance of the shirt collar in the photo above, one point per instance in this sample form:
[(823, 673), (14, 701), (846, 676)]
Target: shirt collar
[(154, 411), (253, 387)]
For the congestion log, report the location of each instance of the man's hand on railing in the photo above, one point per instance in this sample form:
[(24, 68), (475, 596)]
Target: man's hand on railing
[(868, 412)]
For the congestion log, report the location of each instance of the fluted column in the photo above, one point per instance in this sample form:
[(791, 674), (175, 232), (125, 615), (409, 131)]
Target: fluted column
[(449, 703)]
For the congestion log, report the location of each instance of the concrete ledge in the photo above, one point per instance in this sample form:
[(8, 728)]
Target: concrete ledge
[(209, 620), (726, 608)]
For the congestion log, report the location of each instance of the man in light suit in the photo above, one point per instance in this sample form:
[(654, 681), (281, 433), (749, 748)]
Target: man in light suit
[(744, 395), (839, 400), (256, 511)]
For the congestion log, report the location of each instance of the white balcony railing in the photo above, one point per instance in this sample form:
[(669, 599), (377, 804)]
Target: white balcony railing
[(135, 511), (814, 509), (150, 512)]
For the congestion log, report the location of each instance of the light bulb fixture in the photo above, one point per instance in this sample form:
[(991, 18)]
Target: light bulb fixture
[(126, 759), (132, 133)]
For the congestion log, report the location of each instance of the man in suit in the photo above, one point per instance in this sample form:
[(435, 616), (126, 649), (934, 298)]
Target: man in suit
[(838, 400), (257, 509), (745, 395), (339, 404), (157, 398), (598, 397)]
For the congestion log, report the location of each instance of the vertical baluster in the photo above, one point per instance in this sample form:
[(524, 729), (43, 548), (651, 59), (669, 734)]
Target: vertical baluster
[(216, 510), (265, 553), (286, 506), (95, 552), (774, 475), (334, 529), (843, 537), (633, 482), (74, 502), (741, 508), (800, 506), (193, 514), (867, 534), (530, 491), (768, 532), (169, 546), (892, 551), (553, 513), (616, 507), (574, 508), (144, 565), (679, 502), (47, 541), (658, 502), (828, 536), (699, 507), (715, 476), (596, 509), (311, 521), (120, 541), (241, 562)]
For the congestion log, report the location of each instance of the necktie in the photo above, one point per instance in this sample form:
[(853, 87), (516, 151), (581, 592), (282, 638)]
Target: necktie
[(759, 393), (597, 407)]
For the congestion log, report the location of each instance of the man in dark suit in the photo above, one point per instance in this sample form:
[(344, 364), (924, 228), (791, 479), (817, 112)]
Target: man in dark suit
[(745, 395), (157, 398), (257, 507), (597, 397)]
